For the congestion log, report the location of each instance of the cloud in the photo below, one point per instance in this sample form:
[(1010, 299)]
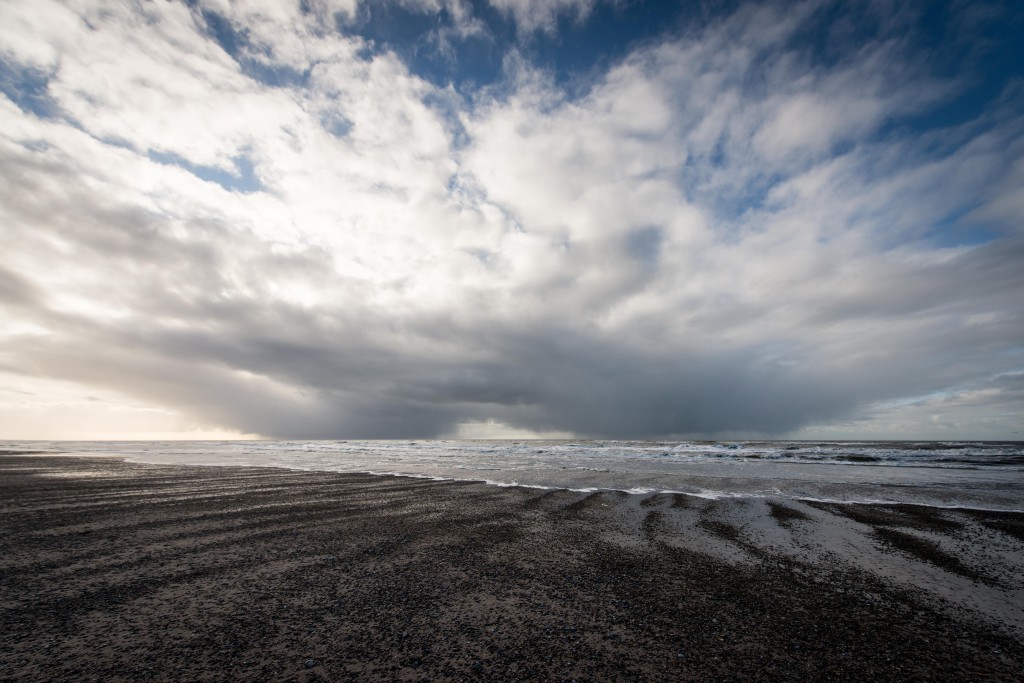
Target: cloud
[(542, 15), (244, 216)]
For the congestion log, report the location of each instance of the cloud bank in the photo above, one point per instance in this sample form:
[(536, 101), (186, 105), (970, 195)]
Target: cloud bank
[(251, 218)]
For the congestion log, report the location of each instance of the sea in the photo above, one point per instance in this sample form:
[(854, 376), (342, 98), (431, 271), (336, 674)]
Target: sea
[(969, 474)]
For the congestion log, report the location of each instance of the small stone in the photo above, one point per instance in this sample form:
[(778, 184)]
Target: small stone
[(310, 663)]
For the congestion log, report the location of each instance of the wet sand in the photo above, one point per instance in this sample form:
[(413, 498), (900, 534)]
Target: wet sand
[(113, 571)]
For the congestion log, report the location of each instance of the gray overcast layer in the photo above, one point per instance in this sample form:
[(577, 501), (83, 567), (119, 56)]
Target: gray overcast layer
[(717, 235)]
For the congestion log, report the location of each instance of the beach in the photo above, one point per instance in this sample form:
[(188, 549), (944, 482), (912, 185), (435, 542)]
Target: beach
[(134, 571)]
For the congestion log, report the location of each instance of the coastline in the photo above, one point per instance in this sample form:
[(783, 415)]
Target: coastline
[(118, 571), (972, 475)]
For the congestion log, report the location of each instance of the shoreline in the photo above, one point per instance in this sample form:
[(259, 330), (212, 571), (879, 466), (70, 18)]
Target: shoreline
[(705, 494), (115, 570)]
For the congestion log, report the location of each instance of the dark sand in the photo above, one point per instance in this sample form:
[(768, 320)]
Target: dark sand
[(114, 571)]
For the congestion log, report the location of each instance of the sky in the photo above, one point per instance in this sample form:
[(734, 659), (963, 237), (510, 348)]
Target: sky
[(508, 218)]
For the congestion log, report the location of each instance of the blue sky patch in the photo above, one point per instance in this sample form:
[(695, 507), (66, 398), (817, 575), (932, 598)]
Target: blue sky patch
[(27, 88), (244, 180)]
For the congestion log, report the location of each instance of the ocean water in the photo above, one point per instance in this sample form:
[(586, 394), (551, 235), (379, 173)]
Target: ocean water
[(986, 475)]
